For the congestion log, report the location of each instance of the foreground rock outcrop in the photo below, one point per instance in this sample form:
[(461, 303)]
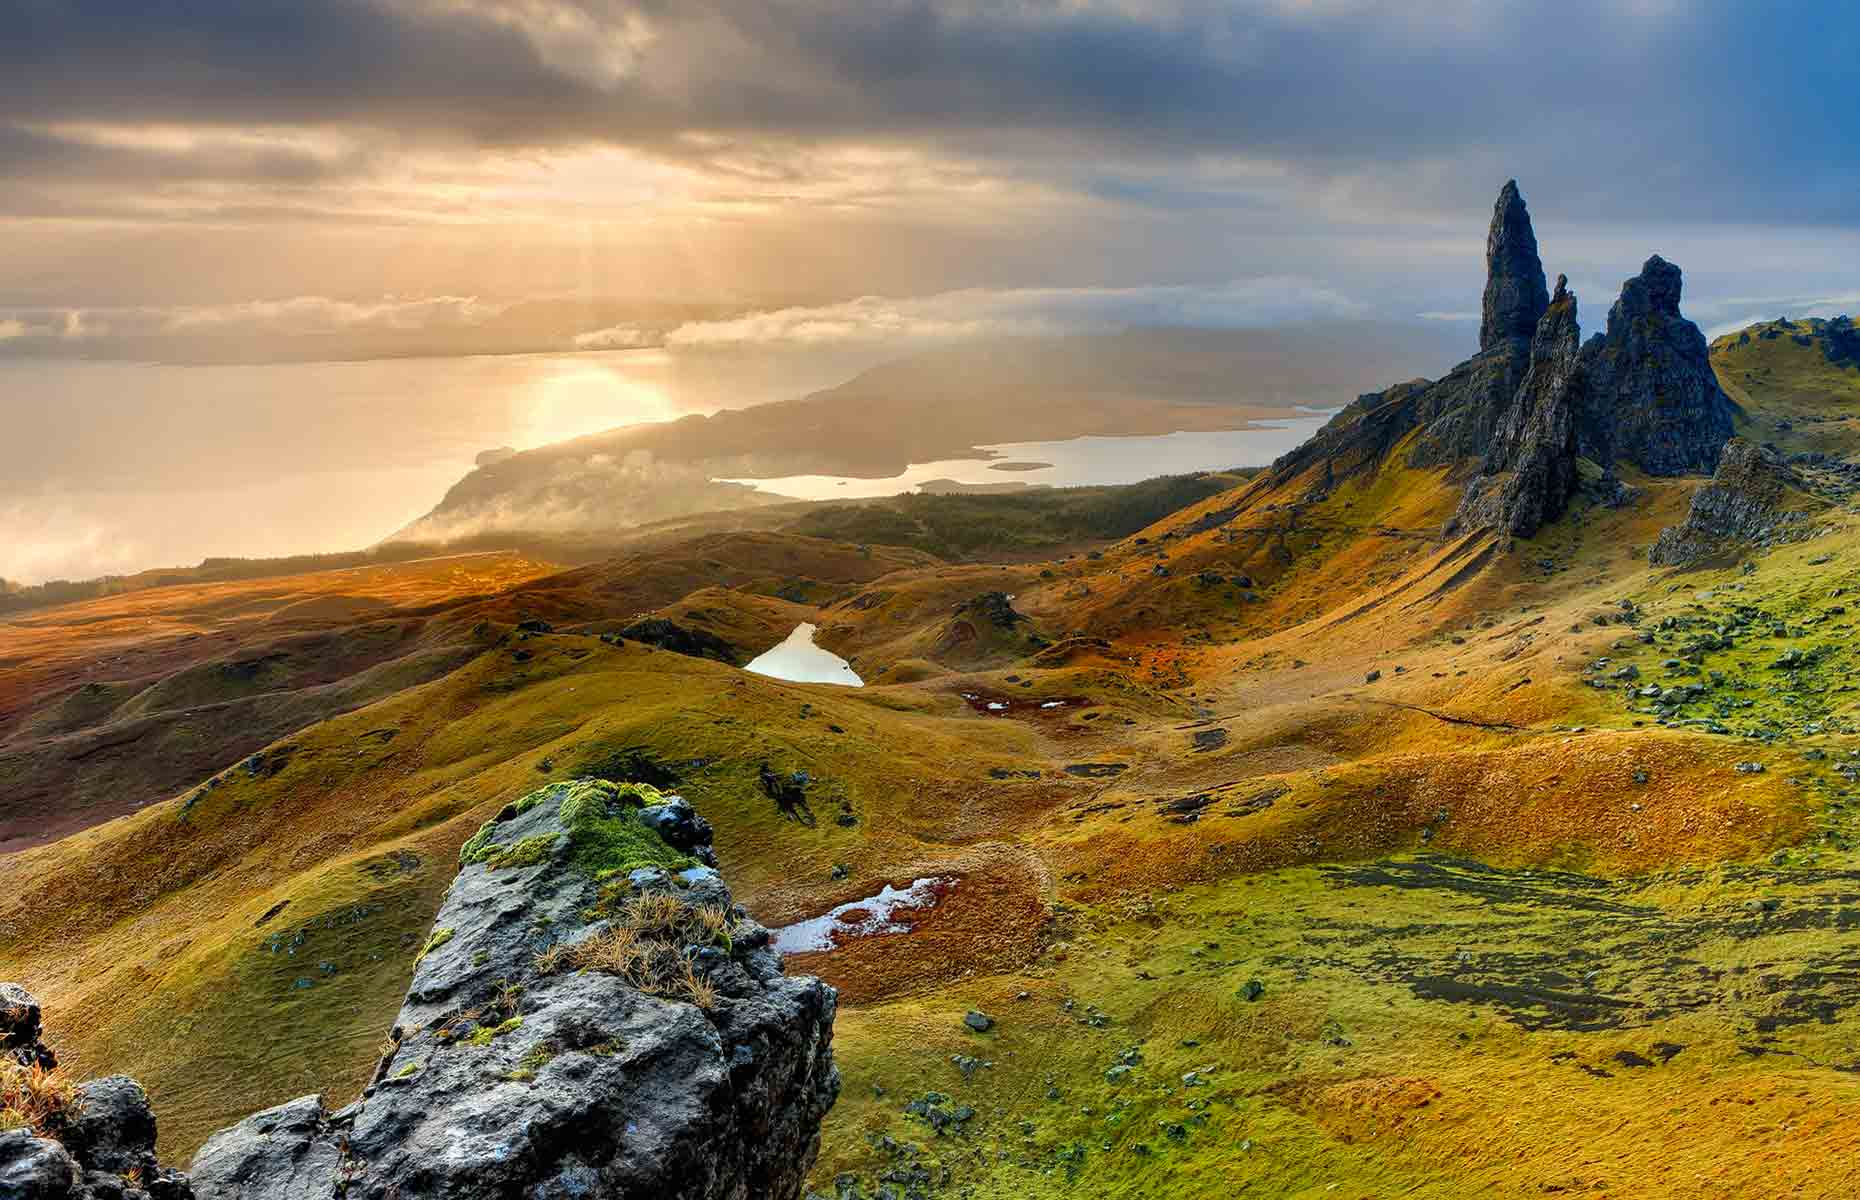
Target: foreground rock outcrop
[(1754, 500), (592, 1016), (92, 1141)]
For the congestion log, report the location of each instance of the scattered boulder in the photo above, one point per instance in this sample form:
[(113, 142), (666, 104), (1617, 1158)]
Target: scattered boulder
[(996, 608), (680, 639), (681, 827), (980, 1022)]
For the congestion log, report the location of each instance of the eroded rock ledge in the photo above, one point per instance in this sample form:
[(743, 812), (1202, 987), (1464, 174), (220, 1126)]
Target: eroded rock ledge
[(592, 1016), (1754, 500)]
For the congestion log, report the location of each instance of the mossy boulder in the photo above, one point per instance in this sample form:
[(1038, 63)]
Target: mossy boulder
[(604, 828)]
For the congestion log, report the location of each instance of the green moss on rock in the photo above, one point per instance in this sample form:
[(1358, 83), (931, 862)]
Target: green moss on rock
[(605, 835), (440, 937), (485, 1035), (527, 853)]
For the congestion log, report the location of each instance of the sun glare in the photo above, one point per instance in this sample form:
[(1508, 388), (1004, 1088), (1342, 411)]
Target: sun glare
[(575, 397)]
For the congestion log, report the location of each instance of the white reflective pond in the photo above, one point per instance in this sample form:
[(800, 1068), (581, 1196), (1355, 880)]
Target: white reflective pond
[(798, 660)]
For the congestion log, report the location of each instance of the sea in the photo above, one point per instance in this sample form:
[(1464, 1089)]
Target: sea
[(109, 467)]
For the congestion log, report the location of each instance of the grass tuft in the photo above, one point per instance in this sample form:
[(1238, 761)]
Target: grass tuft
[(35, 1099), (645, 945)]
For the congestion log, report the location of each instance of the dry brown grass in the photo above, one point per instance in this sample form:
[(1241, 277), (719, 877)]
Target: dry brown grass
[(645, 945), (36, 1099)]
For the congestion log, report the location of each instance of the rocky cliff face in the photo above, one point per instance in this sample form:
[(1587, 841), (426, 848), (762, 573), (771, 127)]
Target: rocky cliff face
[(592, 1016), (1652, 399), (1754, 499), (1530, 472)]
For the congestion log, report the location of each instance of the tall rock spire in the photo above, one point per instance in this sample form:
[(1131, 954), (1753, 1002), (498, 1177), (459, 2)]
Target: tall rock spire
[(1515, 295)]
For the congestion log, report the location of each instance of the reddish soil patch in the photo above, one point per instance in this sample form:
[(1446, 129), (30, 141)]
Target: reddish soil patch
[(990, 920)]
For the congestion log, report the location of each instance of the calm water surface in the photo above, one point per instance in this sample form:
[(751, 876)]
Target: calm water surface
[(1073, 463), (108, 467)]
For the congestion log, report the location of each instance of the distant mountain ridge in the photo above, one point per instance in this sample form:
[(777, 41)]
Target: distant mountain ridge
[(938, 404)]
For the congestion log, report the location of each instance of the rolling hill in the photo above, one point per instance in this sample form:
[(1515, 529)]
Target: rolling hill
[(1390, 821)]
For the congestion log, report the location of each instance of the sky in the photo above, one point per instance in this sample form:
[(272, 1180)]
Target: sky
[(842, 170)]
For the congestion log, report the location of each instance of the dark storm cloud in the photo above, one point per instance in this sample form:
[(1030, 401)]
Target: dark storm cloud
[(1717, 112)]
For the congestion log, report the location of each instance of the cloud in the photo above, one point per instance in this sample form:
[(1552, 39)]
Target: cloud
[(977, 313), (894, 146), (292, 316), (1349, 95), (320, 314), (617, 337)]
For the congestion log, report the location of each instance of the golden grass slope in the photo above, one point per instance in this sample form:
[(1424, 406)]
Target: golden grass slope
[(1250, 922)]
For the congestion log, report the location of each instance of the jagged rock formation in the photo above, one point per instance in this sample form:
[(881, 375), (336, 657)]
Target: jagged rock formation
[(1530, 472), (1459, 413), (92, 1142), (1535, 412), (1753, 500), (1652, 398), (592, 1016), (1515, 296)]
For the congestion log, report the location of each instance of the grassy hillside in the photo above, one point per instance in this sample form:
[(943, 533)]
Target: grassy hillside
[(1290, 843), (1798, 383)]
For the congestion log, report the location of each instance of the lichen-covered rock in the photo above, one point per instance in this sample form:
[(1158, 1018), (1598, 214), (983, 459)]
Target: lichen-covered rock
[(598, 1019), (1652, 398), (1753, 499)]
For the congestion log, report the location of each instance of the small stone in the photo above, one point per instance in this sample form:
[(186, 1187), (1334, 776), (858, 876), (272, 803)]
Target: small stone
[(980, 1022)]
